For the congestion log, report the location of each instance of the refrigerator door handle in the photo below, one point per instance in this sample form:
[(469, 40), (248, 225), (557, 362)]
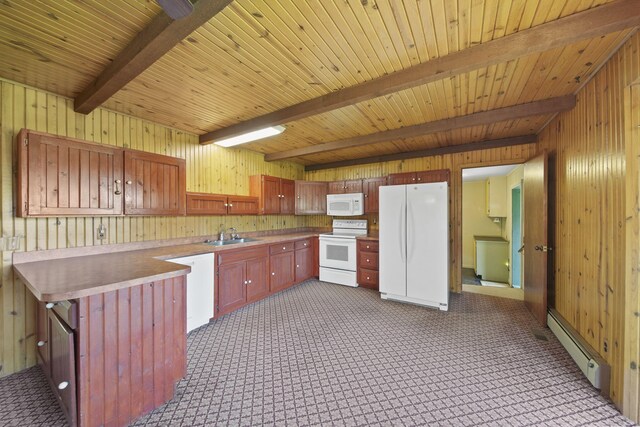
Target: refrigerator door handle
[(402, 232), (410, 235)]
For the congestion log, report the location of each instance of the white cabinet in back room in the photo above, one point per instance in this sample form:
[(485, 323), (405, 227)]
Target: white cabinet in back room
[(199, 289)]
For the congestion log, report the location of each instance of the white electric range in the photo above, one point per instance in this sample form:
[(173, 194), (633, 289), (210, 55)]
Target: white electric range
[(338, 251)]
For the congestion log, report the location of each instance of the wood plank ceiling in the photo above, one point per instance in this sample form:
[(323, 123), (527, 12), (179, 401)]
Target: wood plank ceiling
[(259, 56)]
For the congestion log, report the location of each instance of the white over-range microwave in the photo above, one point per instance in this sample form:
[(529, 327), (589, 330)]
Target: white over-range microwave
[(349, 204)]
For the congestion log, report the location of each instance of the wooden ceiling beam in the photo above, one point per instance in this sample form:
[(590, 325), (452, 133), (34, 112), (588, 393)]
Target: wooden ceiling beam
[(438, 151), (156, 39), (536, 108), (595, 22)]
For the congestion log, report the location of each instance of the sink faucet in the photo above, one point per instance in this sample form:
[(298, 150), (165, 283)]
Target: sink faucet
[(222, 236), (233, 233)]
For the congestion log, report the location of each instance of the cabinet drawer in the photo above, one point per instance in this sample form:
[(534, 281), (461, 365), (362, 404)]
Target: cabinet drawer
[(281, 247), (368, 260), (368, 278), (68, 312), (227, 257), (368, 245), (302, 244)]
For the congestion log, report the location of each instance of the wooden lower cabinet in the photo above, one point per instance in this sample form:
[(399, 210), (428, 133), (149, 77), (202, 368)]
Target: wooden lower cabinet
[(257, 279), (232, 292), (367, 257), (123, 356), (241, 278), (283, 273), (304, 259), (250, 274)]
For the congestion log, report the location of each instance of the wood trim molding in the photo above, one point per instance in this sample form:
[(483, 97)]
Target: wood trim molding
[(156, 39), (591, 23), (451, 149), (536, 108)]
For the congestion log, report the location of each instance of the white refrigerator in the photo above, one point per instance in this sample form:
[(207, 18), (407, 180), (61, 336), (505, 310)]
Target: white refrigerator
[(414, 244)]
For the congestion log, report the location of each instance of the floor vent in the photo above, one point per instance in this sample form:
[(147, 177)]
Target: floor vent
[(592, 365)]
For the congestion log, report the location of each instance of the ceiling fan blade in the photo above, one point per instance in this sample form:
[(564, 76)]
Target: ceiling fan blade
[(176, 9)]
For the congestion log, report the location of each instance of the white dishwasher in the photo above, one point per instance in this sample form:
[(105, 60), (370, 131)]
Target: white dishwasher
[(199, 289)]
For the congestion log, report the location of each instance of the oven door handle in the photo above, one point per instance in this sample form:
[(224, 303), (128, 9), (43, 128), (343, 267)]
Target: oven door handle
[(344, 241)]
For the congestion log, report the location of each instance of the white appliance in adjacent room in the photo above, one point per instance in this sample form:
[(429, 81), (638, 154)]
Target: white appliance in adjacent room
[(414, 244), (199, 289), (349, 204), (338, 251)]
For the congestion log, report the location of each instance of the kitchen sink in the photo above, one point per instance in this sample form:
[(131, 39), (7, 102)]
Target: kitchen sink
[(230, 241)]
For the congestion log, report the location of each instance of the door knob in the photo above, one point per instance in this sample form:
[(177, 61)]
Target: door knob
[(41, 343), (63, 385)]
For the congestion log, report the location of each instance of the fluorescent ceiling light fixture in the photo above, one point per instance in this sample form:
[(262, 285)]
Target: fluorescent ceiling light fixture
[(251, 136)]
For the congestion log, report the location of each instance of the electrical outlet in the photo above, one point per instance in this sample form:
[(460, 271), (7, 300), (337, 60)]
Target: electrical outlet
[(101, 232)]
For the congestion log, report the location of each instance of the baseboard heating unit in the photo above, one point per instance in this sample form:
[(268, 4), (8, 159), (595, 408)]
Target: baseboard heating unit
[(592, 365)]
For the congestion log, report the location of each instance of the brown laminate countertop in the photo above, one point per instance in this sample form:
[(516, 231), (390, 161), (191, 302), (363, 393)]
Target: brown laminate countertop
[(372, 235), (80, 276)]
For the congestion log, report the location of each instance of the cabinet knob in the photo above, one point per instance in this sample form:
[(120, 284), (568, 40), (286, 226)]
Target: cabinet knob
[(305, 244), (413, 179), (284, 248), (273, 273), (367, 259), (249, 281), (230, 205), (226, 204), (368, 277), (297, 266), (117, 191), (63, 385), (245, 282), (49, 305), (41, 343), (129, 182), (367, 246)]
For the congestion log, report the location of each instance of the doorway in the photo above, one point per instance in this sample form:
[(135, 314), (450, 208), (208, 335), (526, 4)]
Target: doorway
[(516, 236), (488, 223)]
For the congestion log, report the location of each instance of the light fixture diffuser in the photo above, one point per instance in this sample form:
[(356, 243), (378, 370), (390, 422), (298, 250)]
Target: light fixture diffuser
[(250, 136)]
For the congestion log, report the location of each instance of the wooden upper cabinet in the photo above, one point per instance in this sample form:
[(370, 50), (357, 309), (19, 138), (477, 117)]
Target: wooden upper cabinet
[(221, 204), (288, 199), (347, 186), (370, 187), (275, 195), (154, 184), (311, 197), (420, 177), (61, 176)]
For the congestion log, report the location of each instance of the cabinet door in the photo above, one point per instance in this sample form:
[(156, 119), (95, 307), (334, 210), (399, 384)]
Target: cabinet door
[(316, 256), (402, 178), (304, 264), (270, 200), (438, 175), (62, 176), (257, 278), (42, 336), (288, 199), (206, 204), (242, 205), (353, 186), (336, 187), (232, 292), (282, 273), (63, 370), (154, 184), (371, 193), (311, 198)]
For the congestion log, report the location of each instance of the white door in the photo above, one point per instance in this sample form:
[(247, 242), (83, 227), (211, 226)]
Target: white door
[(428, 242), (393, 244), (199, 289)]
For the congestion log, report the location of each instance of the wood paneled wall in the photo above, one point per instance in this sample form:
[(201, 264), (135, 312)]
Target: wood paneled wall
[(588, 144), (454, 162), (209, 169)]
